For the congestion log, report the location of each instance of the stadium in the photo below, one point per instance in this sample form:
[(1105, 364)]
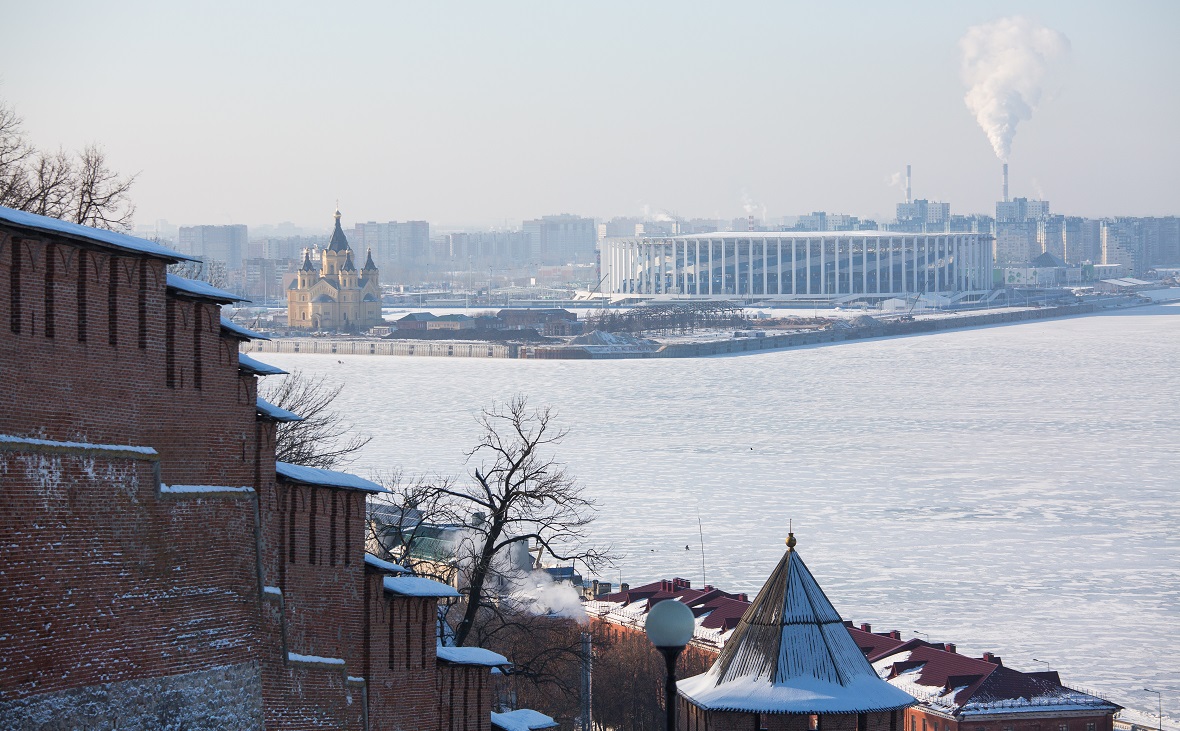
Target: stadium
[(834, 267)]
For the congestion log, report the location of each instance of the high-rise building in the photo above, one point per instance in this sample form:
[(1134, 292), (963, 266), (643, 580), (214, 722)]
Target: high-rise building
[(395, 244), (923, 216), (1082, 239), (563, 239), (1122, 244), (1016, 230), (218, 243)]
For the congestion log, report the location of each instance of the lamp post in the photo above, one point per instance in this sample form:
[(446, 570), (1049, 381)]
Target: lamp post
[(923, 634), (1047, 667), (1160, 700), (669, 626)]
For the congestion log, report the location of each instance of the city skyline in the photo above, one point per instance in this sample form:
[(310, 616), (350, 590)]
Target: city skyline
[(484, 116)]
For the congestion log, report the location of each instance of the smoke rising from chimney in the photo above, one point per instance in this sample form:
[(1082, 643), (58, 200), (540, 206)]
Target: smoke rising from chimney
[(1005, 66)]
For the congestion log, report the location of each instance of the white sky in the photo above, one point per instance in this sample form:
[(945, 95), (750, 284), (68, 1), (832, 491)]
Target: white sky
[(486, 113)]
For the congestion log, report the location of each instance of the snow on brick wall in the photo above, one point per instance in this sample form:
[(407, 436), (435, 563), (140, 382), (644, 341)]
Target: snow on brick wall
[(216, 698), (105, 582)]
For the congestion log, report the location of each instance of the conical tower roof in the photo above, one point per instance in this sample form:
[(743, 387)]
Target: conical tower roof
[(339, 242), (348, 265), (791, 653), (307, 266), (369, 265)]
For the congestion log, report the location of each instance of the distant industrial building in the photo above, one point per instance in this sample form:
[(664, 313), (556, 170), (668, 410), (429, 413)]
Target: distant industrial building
[(831, 266), (218, 243), (563, 239)]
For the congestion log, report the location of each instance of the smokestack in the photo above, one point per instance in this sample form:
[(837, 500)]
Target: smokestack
[(1005, 182), (907, 184)]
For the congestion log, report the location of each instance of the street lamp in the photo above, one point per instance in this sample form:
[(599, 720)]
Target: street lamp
[(1047, 668), (923, 634), (669, 626), (1160, 700)]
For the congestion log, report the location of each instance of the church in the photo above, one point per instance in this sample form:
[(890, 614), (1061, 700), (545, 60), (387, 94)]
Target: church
[(331, 294)]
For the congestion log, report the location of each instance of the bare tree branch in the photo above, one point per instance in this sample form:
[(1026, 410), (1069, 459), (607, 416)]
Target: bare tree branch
[(324, 439), (79, 188)]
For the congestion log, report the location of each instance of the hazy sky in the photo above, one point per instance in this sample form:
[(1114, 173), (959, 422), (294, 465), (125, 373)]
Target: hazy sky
[(482, 113)]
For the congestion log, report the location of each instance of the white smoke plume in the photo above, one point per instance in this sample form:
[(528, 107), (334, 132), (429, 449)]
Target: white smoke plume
[(541, 595), (893, 180), (1005, 66)]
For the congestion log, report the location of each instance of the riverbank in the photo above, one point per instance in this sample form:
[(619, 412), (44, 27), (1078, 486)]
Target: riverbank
[(753, 341)]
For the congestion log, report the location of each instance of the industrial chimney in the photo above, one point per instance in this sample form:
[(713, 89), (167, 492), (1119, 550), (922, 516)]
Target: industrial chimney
[(1005, 182), (907, 185)]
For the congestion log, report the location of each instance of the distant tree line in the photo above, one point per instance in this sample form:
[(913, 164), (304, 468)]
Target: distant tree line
[(673, 317), (72, 186)]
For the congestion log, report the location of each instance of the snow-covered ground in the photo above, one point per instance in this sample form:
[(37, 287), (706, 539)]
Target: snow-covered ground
[(1013, 489)]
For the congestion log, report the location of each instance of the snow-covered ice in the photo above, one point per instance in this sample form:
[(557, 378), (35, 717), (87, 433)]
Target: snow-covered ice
[(1011, 489)]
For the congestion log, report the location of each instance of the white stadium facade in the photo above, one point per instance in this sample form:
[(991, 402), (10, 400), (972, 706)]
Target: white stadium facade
[(835, 266)]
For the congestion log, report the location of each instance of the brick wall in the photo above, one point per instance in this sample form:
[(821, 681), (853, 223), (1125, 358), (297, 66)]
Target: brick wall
[(107, 581), (113, 589)]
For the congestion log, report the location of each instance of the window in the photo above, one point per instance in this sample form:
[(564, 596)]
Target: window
[(1063, 727), (293, 496), (82, 303), (1090, 726), (14, 285), (50, 302), (170, 342), (198, 314), (143, 265), (113, 301), (311, 529), (332, 531)]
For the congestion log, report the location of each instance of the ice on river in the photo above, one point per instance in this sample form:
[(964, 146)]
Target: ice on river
[(1013, 489)]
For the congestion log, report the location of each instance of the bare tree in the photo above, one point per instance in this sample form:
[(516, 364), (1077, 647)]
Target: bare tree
[(324, 438), (14, 154), (100, 196), (212, 271), (80, 188), (521, 496)]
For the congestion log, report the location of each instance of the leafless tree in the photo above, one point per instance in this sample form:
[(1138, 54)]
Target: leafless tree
[(100, 196), (80, 188), (521, 496), (14, 154), (324, 438), (212, 271)]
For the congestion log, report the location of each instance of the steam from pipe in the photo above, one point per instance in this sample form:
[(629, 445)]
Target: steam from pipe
[(1005, 65)]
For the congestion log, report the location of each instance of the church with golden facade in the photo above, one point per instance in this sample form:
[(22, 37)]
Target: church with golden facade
[(331, 294)]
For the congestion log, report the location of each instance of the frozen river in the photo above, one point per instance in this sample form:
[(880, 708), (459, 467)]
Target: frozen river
[(1013, 489)]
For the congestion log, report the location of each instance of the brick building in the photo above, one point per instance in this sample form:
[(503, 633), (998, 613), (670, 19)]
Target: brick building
[(954, 692), (160, 568)]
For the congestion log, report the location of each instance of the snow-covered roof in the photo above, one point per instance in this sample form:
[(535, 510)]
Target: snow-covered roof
[(383, 565), (417, 586), (241, 332), (961, 686), (790, 653), (471, 656), (257, 367), (78, 231), (201, 289), (524, 719), (324, 478), (267, 410)]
